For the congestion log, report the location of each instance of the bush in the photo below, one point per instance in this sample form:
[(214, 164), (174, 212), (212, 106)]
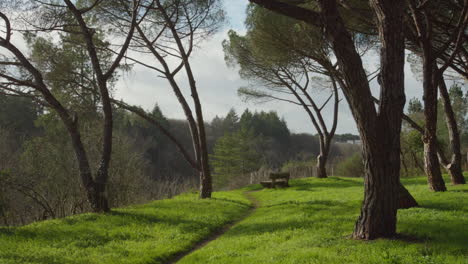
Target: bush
[(351, 167)]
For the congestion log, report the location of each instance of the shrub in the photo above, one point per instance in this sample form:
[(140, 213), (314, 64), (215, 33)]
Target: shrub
[(351, 167)]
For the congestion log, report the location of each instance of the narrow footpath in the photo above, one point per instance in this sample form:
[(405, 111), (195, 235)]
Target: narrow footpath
[(217, 234)]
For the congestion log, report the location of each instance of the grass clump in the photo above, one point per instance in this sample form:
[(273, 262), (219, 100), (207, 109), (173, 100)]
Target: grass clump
[(150, 233), (311, 223)]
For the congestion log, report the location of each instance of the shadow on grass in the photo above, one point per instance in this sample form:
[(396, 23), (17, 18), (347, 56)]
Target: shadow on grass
[(448, 235), (456, 191), (313, 208), (90, 228), (445, 206), (231, 201), (315, 204)]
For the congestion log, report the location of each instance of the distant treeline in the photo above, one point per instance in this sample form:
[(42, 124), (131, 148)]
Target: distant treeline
[(37, 162)]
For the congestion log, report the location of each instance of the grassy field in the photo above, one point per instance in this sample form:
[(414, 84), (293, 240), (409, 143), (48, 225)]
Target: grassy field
[(307, 223), (311, 221), (150, 233)]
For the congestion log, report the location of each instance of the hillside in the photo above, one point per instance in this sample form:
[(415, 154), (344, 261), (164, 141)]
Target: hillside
[(307, 223)]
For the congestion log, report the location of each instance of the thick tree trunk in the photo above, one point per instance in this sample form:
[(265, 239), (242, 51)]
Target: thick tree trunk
[(382, 152), (378, 212), (380, 132), (454, 168)]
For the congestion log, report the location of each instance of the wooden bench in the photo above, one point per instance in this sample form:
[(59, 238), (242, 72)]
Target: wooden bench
[(280, 179)]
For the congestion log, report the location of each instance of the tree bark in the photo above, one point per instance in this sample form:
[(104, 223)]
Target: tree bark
[(321, 162), (431, 161), (454, 167), (382, 152)]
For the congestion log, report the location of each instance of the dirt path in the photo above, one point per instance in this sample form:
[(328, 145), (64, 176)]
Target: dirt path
[(217, 234)]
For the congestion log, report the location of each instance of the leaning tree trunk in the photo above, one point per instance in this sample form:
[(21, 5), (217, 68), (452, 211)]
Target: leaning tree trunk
[(206, 185), (454, 167), (431, 161)]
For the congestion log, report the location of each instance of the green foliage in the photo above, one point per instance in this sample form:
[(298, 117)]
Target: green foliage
[(267, 124), (150, 233), (311, 221), (234, 156), (67, 68), (18, 114), (351, 167), (415, 106)]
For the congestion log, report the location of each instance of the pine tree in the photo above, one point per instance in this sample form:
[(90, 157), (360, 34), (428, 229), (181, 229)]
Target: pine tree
[(234, 157)]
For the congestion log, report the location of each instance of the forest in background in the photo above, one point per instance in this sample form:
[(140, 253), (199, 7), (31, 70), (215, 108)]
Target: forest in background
[(39, 174)]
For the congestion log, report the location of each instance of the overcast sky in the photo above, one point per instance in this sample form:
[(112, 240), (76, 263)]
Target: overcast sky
[(218, 85)]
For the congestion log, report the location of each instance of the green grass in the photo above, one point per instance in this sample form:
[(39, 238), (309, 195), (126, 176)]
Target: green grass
[(150, 233), (311, 222)]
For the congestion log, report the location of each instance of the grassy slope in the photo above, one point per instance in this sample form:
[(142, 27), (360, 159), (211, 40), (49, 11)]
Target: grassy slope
[(310, 222), (141, 234)]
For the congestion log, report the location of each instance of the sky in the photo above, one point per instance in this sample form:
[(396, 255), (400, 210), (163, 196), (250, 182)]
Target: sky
[(217, 84)]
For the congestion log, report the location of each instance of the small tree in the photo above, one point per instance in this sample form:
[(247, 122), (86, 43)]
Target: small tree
[(234, 157)]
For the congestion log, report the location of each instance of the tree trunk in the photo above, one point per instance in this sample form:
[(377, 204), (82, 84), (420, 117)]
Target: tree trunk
[(98, 199), (205, 184), (323, 157), (454, 168), (321, 170), (206, 187), (432, 166), (431, 161)]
